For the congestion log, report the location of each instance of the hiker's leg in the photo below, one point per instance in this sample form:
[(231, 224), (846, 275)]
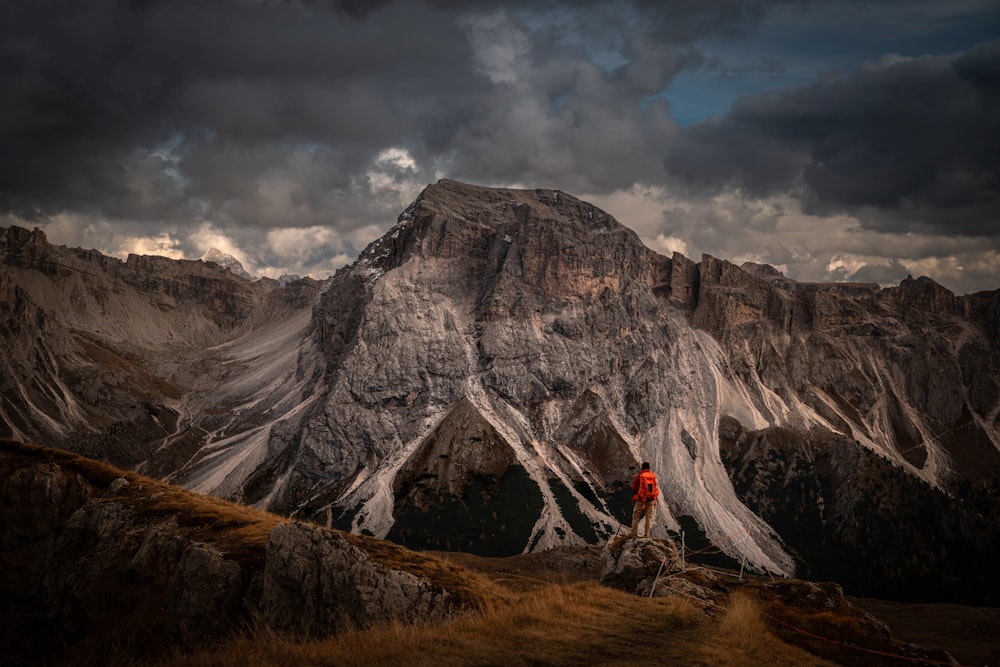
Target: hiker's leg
[(636, 512), (649, 518)]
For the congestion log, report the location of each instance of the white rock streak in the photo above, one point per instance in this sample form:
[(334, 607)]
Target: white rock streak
[(265, 386)]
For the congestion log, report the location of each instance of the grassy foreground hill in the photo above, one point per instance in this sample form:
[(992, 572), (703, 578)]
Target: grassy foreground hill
[(534, 609)]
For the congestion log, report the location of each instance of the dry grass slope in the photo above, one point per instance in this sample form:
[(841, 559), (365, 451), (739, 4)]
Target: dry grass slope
[(555, 624), (238, 531)]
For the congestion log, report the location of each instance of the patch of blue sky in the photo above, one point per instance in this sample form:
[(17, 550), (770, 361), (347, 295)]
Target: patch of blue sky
[(797, 46), (793, 45), (730, 71), (696, 96)]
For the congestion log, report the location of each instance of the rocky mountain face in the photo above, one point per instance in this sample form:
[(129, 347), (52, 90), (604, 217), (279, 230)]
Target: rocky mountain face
[(489, 374), (134, 362)]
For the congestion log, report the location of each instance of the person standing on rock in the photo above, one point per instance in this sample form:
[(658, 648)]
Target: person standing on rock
[(645, 491)]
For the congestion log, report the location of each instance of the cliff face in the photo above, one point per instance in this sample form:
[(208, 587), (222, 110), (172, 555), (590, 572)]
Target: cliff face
[(489, 374), (506, 303), (119, 360), (543, 316), (143, 301), (909, 372)]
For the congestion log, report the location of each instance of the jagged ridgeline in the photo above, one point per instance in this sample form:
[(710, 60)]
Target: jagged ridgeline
[(489, 374)]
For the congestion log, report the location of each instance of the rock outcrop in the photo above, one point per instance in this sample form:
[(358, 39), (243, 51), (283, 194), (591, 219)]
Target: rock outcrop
[(636, 564), (89, 556), (316, 582)]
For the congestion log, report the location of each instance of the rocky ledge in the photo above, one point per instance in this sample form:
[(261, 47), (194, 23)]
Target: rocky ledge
[(88, 552)]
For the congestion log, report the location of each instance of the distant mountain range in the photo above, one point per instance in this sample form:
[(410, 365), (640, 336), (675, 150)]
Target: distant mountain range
[(488, 375)]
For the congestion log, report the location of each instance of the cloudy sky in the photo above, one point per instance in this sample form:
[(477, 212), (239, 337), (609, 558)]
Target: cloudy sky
[(835, 140)]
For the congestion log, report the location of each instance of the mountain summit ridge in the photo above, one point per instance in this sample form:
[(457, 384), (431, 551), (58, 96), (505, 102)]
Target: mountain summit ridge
[(533, 328)]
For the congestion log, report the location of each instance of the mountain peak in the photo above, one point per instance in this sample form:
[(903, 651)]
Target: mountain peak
[(226, 261), (450, 220), (482, 203)]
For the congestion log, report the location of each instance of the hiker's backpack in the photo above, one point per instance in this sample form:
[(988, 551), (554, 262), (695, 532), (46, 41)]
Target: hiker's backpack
[(648, 490)]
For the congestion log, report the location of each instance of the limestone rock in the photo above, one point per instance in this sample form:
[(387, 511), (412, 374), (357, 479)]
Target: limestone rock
[(35, 503), (80, 562), (204, 596), (317, 582), (653, 568), (632, 564)]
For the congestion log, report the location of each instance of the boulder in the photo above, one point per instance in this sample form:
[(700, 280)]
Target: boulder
[(632, 564), (317, 582), (204, 596), (652, 568)]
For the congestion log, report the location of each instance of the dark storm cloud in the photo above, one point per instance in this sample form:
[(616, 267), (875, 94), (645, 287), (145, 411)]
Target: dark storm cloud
[(673, 21), (290, 130), (907, 144), (93, 90), (570, 122)]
